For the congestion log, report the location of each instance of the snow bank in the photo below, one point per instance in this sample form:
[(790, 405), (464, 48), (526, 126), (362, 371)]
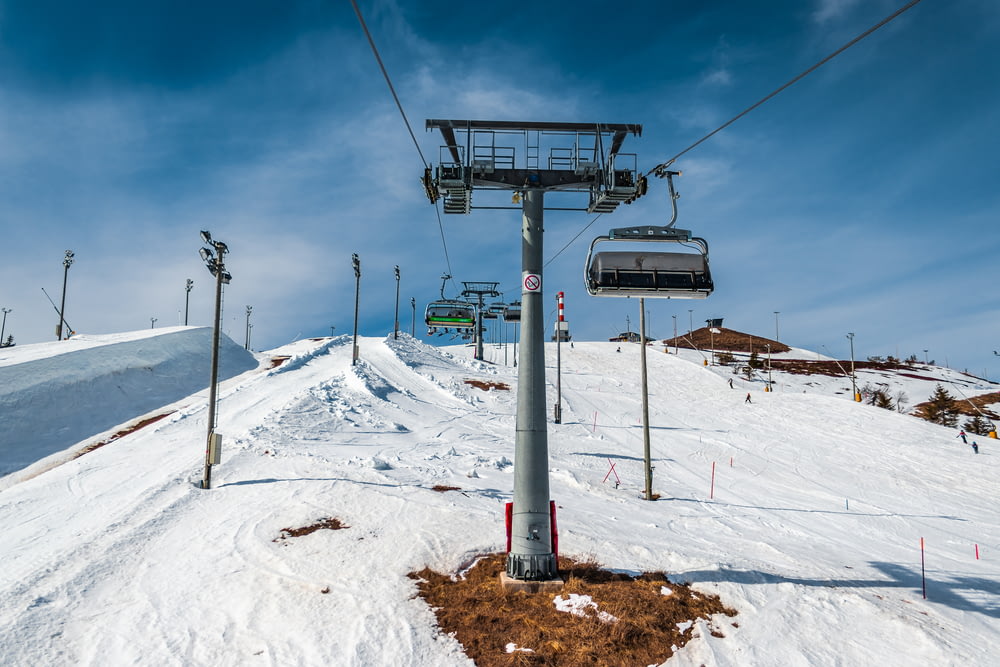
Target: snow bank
[(50, 402)]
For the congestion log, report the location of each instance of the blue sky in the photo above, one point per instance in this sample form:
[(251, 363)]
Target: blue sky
[(862, 199)]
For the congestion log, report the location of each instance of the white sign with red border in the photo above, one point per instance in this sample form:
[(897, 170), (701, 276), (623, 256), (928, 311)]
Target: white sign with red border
[(531, 282)]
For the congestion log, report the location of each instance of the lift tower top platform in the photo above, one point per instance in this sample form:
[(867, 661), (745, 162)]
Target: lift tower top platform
[(514, 155)]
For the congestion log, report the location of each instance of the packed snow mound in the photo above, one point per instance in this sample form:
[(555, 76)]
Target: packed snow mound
[(54, 395)]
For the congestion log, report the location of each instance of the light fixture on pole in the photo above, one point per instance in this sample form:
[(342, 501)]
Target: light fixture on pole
[(713, 331), (152, 323), (356, 263), (395, 330), (768, 387), (413, 317), (67, 262), (675, 333), (187, 298), (776, 336), (925, 358), (854, 379), (690, 320), (246, 346), (3, 327), (215, 259)]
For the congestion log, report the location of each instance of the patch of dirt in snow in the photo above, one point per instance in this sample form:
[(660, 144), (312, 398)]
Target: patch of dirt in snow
[(488, 620), (326, 523)]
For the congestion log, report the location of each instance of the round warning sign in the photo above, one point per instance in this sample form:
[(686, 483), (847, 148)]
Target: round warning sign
[(532, 282)]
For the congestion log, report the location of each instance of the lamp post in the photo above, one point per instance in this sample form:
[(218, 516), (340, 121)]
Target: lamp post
[(854, 380), (646, 454), (246, 346), (67, 262), (690, 320), (413, 317), (768, 346), (356, 263), (215, 259), (395, 330), (675, 333), (713, 331), (776, 336), (3, 327), (152, 323), (187, 298), (925, 358)]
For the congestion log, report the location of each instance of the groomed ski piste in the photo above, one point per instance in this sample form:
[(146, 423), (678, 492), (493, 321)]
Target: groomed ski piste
[(812, 530)]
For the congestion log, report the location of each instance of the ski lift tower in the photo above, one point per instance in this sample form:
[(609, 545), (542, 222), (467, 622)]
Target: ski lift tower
[(530, 159), (479, 290)]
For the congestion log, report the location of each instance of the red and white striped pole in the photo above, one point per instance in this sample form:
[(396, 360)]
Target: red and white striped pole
[(557, 416)]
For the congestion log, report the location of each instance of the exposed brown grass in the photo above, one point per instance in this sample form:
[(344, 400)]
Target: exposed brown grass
[(728, 339), (486, 386), (441, 488), (125, 431), (484, 618), (326, 523), (278, 360), (962, 406)]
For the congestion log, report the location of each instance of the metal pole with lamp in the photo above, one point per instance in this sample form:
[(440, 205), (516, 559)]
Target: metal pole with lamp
[(67, 262), (215, 260), (854, 379), (356, 263), (395, 330)]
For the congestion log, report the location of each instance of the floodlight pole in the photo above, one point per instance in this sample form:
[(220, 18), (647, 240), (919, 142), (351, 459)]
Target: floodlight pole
[(675, 333), (187, 298), (356, 262), (854, 379), (395, 330), (246, 345), (531, 554), (152, 323), (67, 262), (413, 317), (646, 456), (776, 336), (3, 327), (218, 267)]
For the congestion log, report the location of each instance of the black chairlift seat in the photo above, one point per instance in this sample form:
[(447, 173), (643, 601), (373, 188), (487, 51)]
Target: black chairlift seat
[(665, 275)]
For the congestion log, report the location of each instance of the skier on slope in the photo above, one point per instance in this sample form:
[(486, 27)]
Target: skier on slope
[(961, 434), (748, 398)]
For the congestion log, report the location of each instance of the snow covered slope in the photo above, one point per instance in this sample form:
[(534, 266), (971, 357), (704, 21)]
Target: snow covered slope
[(812, 530), (53, 395)]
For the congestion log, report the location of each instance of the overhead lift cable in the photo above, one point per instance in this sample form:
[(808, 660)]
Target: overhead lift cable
[(660, 169), (406, 121)]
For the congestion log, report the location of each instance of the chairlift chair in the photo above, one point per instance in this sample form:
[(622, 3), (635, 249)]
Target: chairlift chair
[(664, 274), (650, 273), (449, 314), (512, 312)]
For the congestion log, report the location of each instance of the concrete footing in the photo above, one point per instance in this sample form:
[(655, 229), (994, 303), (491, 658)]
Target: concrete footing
[(510, 584)]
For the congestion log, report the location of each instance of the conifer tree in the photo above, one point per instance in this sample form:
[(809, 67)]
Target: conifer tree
[(940, 408), (977, 425)]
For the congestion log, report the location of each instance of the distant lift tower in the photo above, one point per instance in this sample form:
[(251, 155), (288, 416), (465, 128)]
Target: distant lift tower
[(479, 290), (531, 159)]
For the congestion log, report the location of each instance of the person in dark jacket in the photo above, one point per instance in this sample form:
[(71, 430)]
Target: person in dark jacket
[(975, 447)]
